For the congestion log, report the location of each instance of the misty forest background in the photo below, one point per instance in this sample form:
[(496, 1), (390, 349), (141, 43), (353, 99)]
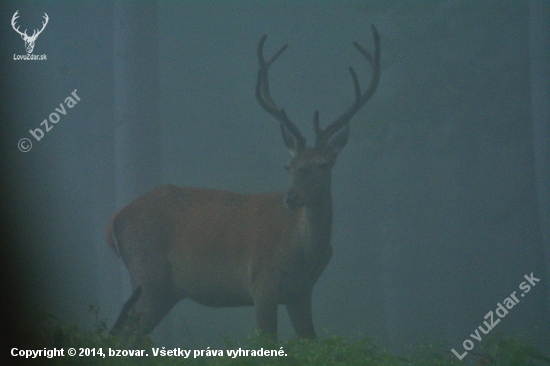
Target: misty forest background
[(436, 213)]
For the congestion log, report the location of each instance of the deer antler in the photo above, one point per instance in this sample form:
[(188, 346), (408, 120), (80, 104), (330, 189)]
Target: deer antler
[(46, 18), (264, 97), (322, 135), (13, 19), (24, 34), (360, 99)]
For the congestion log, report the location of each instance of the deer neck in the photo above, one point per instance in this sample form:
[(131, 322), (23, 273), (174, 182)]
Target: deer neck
[(316, 228)]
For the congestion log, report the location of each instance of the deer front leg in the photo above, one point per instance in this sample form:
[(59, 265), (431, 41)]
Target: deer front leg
[(266, 317), (299, 312)]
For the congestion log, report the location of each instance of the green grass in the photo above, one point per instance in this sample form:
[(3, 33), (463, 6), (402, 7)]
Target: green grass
[(48, 333)]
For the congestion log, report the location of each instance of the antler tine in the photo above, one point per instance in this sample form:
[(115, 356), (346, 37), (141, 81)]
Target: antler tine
[(264, 97), (46, 18), (360, 99), (13, 21), (277, 54), (316, 126)]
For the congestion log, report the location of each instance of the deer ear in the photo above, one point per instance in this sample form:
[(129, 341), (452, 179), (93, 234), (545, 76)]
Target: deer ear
[(338, 141), (290, 141)]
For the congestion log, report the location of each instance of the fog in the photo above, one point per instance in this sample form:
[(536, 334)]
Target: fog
[(437, 212)]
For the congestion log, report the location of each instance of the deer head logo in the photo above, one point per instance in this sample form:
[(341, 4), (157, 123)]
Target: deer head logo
[(29, 41)]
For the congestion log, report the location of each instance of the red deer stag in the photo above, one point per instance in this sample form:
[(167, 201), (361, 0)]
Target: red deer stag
[(226, 249)]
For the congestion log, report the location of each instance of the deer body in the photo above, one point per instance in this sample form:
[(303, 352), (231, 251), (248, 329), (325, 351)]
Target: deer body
[(219, 249), (225, 249)]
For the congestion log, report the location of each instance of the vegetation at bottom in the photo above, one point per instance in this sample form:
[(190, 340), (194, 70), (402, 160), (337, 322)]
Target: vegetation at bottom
[(47, 333)]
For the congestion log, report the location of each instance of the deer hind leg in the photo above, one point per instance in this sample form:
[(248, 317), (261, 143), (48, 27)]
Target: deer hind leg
[(299, 312), (154, 296), (159, 297), (128, 306)]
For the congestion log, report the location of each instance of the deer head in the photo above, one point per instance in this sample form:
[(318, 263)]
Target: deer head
[(310, 167), (29, 40)]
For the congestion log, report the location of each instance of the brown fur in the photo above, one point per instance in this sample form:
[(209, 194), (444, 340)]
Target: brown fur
[(215, 247), (221, 248)]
